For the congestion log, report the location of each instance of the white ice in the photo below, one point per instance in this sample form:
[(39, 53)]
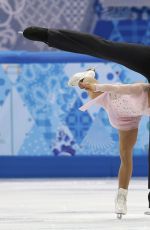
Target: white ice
[(69, 204)]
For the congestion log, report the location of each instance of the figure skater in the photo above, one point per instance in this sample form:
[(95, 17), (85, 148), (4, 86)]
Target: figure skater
[(125, 104), (134, 56)]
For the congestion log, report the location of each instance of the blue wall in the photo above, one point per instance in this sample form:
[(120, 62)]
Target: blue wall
[(80, 166), (39, 113), (40, 120)]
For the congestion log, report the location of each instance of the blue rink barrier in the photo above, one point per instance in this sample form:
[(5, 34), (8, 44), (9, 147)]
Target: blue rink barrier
[(44, 57), (61, 166), (48, 167)]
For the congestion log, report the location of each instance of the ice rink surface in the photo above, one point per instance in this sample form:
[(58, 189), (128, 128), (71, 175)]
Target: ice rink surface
[(69, 204)]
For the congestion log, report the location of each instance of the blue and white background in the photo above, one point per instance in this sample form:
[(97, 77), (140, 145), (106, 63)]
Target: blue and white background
[(39, 114)]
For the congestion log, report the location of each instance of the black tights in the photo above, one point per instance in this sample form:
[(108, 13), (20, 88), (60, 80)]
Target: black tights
[(133, 56)]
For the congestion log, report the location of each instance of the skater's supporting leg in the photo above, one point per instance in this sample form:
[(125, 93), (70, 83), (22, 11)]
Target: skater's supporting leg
[(127, 141), (133, 56)]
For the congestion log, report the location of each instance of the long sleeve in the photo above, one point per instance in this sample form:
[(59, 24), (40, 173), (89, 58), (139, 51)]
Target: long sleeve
[(135, 88)]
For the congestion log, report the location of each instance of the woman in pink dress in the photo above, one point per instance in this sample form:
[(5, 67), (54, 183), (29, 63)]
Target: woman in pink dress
[(125, 104)]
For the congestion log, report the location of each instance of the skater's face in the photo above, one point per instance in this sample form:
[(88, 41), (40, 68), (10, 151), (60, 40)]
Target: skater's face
[(81, 84), (87, 80)]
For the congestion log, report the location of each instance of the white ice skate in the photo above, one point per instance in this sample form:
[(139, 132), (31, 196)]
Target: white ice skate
[(74, 80), (121, 203)]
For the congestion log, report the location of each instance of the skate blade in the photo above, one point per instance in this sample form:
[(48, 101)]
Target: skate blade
[(119, 216), (20, 32), (147, 212)]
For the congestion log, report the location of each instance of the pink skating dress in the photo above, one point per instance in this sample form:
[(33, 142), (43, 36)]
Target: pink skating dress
[(124, 103)]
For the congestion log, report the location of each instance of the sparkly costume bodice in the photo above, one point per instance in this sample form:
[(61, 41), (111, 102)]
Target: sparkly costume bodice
[(124, 110)]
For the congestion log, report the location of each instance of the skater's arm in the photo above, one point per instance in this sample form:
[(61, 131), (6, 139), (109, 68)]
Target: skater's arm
[(93, 95), (136, 88)]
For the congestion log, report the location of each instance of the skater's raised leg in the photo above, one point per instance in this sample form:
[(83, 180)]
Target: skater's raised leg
[(133, 56)]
